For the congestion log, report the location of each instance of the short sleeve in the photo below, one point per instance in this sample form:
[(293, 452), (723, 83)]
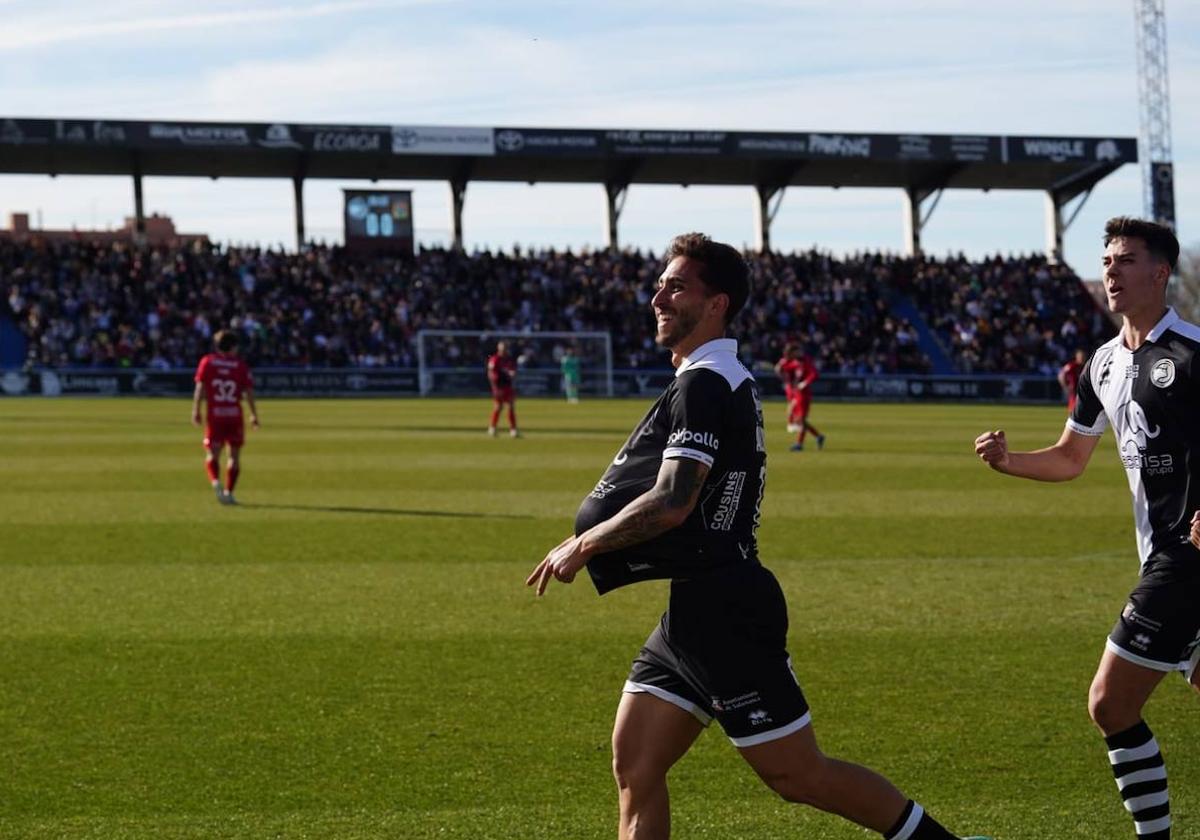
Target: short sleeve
[(697, 416), (1088, 417), (201, 370)]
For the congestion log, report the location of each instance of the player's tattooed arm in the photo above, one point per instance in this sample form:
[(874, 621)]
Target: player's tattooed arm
[(663, 507)]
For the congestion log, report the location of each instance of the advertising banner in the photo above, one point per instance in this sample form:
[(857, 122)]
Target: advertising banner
[(533, 382), (545, 141), (442, 140), (1071, 149)]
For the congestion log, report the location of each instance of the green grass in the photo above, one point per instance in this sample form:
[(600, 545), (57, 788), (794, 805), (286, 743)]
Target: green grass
[(351, 653)]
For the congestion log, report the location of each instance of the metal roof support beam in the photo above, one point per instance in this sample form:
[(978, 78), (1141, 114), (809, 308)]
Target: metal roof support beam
[(914, 220), (139, 207), (615, 193), (766, 214), (298, 193), (1056, 224), (458, 197)]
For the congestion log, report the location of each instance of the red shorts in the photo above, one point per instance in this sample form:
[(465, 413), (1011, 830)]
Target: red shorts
[(224, 430), (801, 400), (504, 395)]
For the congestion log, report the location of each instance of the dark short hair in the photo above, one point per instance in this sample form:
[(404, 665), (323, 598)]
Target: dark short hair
[(226, 340), (1160, 240), (722, 268)]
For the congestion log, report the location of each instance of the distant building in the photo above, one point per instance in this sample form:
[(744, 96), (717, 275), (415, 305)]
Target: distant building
[(160, 230)]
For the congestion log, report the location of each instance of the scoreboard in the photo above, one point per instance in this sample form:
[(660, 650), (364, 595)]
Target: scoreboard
[(378, 221)]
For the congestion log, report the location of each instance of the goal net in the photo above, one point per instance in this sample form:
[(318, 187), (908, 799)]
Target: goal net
[(455, 361)]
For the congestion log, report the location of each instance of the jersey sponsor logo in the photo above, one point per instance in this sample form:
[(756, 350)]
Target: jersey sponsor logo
[(1105, 372), (602, 489), (727, 506), (1137, 431), (758, 717), (741, 701), (1131, 372), (1131, 614), (1141, 641), (1163, 373), (638, 567), (1150, 464), (1137, 427), (685, 436)]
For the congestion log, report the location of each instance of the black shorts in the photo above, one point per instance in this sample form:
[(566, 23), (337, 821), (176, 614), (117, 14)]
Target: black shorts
[(1160, 625), (720, 651)]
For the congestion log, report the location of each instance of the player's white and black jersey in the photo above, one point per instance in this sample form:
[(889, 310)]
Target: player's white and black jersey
[(711, 413), (1151, 398)]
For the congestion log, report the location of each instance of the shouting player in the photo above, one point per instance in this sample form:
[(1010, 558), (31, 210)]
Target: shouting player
[(681, 500), (502, 375), (222, 381), (798, 372), (1145, 383)]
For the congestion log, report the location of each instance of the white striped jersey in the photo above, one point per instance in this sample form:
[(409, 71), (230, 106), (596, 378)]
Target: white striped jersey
[(1151, 398)]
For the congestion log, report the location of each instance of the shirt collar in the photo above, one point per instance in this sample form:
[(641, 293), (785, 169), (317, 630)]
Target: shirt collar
[(707, 350), (1165, 323)]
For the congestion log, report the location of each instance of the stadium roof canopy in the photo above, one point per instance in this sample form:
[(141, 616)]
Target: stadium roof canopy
[(921, 164)]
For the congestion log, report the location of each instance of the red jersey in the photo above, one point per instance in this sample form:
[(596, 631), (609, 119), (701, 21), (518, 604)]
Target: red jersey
[(798, 371), (501, 370), (1070, 375), (225, 379)]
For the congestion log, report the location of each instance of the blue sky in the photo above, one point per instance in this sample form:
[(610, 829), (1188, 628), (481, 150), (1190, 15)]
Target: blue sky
[(1019, 67)]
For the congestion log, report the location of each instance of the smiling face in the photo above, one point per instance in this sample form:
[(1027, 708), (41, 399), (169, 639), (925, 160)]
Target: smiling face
[(1135, 282), (684, 303)]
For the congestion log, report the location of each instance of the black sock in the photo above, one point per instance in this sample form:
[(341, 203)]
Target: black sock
[(1142, 780), (915, 824)]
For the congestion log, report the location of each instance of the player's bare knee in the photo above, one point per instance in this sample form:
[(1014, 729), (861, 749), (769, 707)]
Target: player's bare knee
[(802, 783), (803, 787), (1109, 711), (633, 771)]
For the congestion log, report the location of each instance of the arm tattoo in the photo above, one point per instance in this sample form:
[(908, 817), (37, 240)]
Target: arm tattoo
[(654, 512), (685, 482)]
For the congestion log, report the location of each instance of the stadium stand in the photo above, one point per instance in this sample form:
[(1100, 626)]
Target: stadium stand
[(108, 304)]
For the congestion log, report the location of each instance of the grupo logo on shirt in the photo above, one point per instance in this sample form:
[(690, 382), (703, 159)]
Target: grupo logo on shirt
[(682, 437)]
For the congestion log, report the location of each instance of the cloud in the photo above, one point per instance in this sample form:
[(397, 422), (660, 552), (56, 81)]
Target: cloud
[(47, 30), (868, 65)]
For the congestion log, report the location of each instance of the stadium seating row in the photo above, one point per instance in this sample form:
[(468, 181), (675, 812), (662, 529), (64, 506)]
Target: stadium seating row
[(104, 305)]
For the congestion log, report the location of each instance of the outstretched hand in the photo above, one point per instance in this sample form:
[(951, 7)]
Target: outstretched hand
[(563, 562), (992, 448)]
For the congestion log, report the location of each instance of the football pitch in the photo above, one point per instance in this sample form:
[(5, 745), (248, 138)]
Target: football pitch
[(351, 652)]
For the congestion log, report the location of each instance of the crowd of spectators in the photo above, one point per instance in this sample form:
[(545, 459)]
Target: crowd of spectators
[(1006, 315), (114, 305)]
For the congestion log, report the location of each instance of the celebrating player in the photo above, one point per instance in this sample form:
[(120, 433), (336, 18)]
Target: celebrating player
[(502, 374), (798, 372), (570, 375), (720, 649), (1145, 383), (222, 381), (1068, 377)]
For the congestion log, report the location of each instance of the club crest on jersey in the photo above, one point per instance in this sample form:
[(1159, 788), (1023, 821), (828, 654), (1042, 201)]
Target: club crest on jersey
[(1163, 373)]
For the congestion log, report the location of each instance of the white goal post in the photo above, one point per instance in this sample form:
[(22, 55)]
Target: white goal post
[(454, 361)]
